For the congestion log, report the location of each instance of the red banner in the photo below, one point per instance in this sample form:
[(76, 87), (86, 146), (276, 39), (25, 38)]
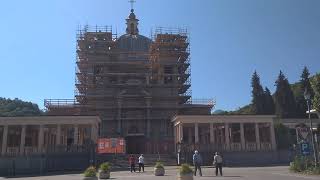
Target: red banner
[(111, 145)]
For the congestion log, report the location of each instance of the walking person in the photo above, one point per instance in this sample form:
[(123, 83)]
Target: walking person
[(141, 163), (197, 162), (217, 162), (132, 163)]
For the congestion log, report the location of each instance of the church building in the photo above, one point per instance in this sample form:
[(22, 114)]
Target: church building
[(135, 84)]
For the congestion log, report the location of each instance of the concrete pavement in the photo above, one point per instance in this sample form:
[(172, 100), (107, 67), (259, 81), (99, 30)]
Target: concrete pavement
[(250, 173)]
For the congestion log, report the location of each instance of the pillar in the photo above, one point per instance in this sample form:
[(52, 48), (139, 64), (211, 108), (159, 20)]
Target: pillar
[(226, 133), (4, 140), (22, 139), (272, 137), (75, 134), (211, 133), (175, 138), (190, 135), (257, 136), (58, 137), (94, 133), (196, 133), (40, 138), (243, 141), (181, 132)]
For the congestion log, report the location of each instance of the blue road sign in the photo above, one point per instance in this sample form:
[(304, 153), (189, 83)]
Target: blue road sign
[(305, 148)]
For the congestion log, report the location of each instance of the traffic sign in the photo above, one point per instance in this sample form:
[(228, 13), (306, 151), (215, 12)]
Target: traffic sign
[(305, 149)]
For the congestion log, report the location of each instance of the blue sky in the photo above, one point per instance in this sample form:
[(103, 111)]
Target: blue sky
[(229, 40)]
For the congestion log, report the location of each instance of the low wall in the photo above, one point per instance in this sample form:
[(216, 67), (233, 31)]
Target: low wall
[(245, 158)]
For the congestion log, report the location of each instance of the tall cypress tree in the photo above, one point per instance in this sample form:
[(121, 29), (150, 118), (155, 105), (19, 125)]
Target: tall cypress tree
[(316, 99), (285, 105), (257, 103), (269, 103), (304, 85)]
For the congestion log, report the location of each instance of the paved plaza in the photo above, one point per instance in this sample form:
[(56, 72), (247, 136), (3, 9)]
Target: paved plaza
[(251, 173)]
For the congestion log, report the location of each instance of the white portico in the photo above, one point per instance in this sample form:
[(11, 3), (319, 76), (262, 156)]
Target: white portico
[(25, 135), (224, 132)]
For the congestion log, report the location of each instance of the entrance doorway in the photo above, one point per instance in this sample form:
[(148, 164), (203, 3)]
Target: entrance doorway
[(135, 144)]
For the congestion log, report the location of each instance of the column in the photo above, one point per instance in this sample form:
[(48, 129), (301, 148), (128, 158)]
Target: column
[(40, 138), (58, 137), (189, 135), (196, 133), (257, 136), (226, 133), (272, 137), (243, 143), (175, 138), (75, 134), (4, 140), (211, 133), (94, 133), (181, 132), (22, 139)]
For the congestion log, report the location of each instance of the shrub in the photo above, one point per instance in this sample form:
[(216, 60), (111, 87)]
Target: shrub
[(304, 164), (106, 166), (159, 165), (185, 169), (90, 172)]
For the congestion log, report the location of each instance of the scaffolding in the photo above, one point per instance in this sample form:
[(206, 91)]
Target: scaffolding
[(124, 87)]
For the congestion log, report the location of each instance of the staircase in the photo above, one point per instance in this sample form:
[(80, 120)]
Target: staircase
[(121, 160)]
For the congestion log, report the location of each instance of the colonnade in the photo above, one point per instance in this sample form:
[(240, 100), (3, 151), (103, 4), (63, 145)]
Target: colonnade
[(226, 135)]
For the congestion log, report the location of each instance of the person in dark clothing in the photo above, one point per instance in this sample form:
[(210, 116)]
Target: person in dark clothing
[(217, 162), (132, 163), (197, 162)]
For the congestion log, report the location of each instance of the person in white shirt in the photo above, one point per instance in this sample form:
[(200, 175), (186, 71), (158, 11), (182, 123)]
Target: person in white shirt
[(141, 163), (217, 162)]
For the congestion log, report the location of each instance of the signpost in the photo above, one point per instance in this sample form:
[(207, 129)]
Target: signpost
[(305, 149)]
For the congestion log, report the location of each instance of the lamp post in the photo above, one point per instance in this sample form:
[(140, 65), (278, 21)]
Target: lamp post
[(307, 96)]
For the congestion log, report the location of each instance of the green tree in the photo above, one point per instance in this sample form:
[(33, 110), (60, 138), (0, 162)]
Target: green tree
[(303, 85), (316, 87), (283, 137), (285, 105), (268, 102), (17, 107), (257, 103)]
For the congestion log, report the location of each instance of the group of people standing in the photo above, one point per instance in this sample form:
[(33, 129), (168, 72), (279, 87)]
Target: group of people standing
[(132, 163), (197, 162)]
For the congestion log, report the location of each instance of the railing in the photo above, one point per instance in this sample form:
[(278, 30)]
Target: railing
[(165, 30), (251, 146), (265, 146), (83, 30), (210, 102), (234, 147), (60, 102)]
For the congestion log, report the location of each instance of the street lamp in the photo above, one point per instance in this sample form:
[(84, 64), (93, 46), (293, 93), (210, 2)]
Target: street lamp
[(307, 96)]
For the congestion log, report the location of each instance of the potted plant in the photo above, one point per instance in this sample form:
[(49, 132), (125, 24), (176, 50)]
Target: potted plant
[(185, 172), (90, 173), (104, 170), (159, 169)]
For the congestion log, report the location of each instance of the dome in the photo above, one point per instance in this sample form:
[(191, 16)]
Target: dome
[(129, 42)]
